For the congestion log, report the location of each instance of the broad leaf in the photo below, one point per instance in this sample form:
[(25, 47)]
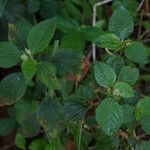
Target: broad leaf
[(123, 89), (137, 53), (121, 23), (109, 41), (104, 75), (12, 88), (128, 74), (47, 75), (143, 106), (29, 68), (9, 55), (109, 115), (6, 126), (40, 35), (145, 124), (48, 115)]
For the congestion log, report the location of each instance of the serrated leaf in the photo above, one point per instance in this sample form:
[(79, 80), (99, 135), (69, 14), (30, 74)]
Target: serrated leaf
[(137, 53), (73, 111), (47, 75), (123, 89), (40, 35), (29, 68), (145, 124), (143, 106), (48, 115), (115, 62), (121, 23), (109, 115), (6, 126), (104, 75), (12, 88), (9, 55), (109, 41), (20, 141), (128, 74)]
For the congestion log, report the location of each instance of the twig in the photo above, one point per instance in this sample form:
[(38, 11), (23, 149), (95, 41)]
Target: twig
[(94, 23), (140, 6), (139, 32), (144, 33), (8, 146)]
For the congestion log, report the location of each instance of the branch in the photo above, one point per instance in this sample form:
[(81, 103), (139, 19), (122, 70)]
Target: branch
[(94, 23)]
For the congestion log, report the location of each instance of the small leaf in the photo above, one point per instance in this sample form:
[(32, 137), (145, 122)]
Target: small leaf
[(29, 68), (12, 88), (105, 75), (33, 6), (145, 124), (47, 75), (6, 126), (137, 53), (143, 106), (128, 74), (121, 23), (38, 144), (40, 35), (123, 89), (109, 115), (9, 55), (20, 141), (129, 115), (109, 41), (116, 62)]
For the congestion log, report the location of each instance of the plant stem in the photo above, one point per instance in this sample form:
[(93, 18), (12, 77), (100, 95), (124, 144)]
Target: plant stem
[(80, 134)]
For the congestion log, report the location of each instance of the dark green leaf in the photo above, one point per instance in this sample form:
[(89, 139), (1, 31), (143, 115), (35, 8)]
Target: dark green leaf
[(9, 55), (12, 88), (145, 124), (144, 145), (33, 6)]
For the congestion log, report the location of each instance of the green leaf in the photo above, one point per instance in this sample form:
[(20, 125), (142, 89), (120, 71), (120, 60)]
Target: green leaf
[(6, 126), (20, 141), (128, 114), (25, 114), (48, 115), (68, 41), (109, 115), (33, 6), (47, 75), (145, 124), (143, 106), (29, 68), (116, 62), (109, 41), (144, 145), (105, 75), (123, 89), (121, 23), (128, 74), (12, 88), (137, 53), (9, 55), (38, 144), (40, 35)]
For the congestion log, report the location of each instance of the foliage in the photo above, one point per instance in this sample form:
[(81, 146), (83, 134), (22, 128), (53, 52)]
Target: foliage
[(56, 94)]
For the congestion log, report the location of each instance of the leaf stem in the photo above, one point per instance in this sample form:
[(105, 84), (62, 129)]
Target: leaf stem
[(80, 134)]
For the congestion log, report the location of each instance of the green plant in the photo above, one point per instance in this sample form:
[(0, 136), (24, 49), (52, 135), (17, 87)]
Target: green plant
[(59, 96)]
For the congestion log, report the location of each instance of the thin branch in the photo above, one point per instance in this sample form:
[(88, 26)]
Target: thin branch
[(94, 23), (140, 6)]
